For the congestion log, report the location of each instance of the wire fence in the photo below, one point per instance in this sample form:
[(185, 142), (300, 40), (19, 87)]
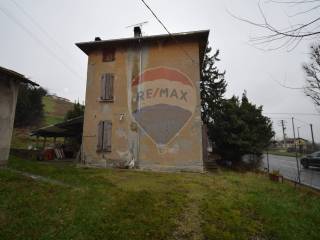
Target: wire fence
[(287, 166)]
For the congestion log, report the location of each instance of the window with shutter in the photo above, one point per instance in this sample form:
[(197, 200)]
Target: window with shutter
[(107, 80), (108, 55), (104, 136), (107, 136), (100, 136)]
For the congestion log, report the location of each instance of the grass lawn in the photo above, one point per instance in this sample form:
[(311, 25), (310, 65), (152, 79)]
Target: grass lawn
[(287, 154), (125, 204), (55, 110)]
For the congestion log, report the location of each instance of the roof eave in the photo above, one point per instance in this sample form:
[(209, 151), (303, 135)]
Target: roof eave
[(17, 76), (87, 47)]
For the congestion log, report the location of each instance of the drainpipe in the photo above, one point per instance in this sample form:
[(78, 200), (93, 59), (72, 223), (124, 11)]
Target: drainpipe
[(139, 104)]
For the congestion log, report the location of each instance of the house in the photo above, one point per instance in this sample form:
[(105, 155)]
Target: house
[(9, 87), (300, 143), (143, 106)]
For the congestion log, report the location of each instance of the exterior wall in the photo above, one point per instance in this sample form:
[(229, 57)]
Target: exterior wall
[(8, 100), (130, 140)]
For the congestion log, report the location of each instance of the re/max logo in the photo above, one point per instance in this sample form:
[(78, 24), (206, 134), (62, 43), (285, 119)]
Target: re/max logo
[(162, 93)]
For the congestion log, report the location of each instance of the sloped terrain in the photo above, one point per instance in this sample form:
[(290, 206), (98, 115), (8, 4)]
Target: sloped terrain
[(81, 203), (54, 112)]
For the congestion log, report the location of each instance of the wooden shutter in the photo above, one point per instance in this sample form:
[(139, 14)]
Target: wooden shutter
[(100, 136), (107, 136), (111, 77), (107, 86), (103, 87)]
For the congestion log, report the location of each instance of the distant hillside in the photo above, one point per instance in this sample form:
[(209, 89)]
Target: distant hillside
[(55, 109)]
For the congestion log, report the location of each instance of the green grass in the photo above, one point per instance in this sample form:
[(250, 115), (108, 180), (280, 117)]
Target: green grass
[(281, 153), (124, 204), (48, 103), (54, 112), (50, 120)]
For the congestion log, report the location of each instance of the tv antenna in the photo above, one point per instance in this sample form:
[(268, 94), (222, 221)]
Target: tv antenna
[(137, 24)]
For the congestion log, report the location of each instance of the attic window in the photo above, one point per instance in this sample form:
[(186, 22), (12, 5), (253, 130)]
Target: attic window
[(108, 55)]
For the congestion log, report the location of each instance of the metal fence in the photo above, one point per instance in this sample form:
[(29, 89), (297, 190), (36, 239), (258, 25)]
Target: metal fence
[(287, 166)]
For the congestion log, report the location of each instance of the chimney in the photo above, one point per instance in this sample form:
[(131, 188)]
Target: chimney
[(137, 32)]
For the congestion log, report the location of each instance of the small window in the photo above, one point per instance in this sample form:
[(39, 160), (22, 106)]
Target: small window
[(104, 136), (107, 87), (108, 55)]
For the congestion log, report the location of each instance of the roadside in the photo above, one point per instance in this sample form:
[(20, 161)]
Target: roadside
[(284, 153), (288, 168)]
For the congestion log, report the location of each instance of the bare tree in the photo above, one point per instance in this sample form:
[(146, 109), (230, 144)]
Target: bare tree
[(312, 70), (292, 35)]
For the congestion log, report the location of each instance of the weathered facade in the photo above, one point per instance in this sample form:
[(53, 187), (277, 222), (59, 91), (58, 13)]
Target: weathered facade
[(143, 104), (9, 87)]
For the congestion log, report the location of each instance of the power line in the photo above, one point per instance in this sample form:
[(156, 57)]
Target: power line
[(310, 114), (40, 27), (39, 41), (302, 121), (162, 24)]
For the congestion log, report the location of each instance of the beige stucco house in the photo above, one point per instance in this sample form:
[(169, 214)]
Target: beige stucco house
[(9, 87), (143, 104)]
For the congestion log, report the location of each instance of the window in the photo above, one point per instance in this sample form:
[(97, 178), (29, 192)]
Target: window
[(107, 87), (108, 55), (104, 136)]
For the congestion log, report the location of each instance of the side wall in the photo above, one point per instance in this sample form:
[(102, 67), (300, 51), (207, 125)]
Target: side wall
[(8, 100), (131, 141)]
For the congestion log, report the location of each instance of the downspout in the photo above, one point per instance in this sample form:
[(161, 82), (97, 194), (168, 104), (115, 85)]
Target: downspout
[(139, 104)]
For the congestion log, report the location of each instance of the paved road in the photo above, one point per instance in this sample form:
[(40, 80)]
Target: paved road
[(288, 168)]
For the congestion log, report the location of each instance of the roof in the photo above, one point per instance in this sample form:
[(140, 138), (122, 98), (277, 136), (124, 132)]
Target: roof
[(69, 128), (12, 75), (201, 36)]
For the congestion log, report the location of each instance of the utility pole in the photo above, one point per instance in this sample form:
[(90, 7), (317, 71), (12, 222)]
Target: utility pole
[(295, 148), (313, 145), (299, 144), (284, 134)]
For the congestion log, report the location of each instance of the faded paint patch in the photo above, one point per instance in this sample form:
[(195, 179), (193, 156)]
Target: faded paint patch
[(123, 154), (185, 144), (105, 109), (174, 149), (121, 133)]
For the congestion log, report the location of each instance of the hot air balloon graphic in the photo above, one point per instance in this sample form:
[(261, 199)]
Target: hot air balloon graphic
[(163, 101)]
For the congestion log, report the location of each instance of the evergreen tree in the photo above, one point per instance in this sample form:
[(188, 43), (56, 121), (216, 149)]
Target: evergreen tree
[(240, 128), (212, 87), (77, 111), (29, 109)]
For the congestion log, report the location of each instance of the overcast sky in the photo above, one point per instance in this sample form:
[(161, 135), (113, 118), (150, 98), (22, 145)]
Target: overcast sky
[(38, 36)]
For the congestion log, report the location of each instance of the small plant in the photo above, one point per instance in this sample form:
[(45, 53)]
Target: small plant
[(275, 176)]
